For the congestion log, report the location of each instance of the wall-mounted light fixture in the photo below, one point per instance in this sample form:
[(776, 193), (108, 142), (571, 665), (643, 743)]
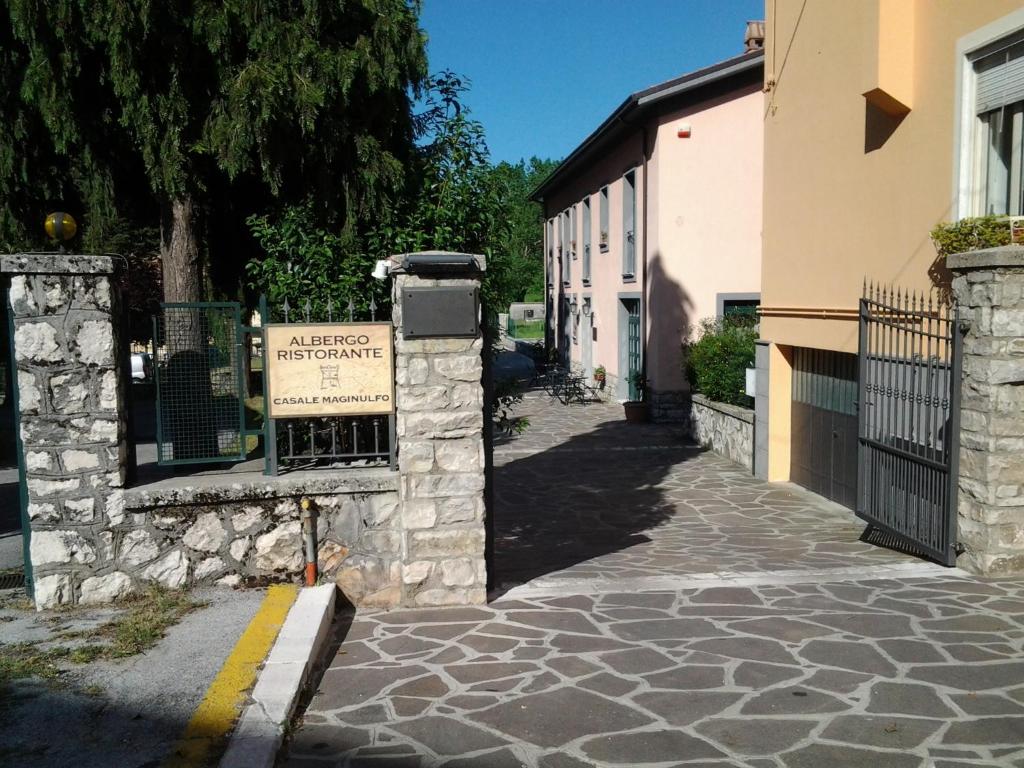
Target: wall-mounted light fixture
[(574, 307), (586, 308)]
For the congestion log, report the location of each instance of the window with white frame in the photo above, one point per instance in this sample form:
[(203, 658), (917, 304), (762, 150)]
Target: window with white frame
[(551, 250), (573, 232), (566, 261), (603, 214), (996, 183), (586, 240), (628, 225)]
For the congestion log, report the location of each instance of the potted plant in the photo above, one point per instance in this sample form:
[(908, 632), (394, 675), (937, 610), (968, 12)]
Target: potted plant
[(600, 375), (604, 238), (636, 410)]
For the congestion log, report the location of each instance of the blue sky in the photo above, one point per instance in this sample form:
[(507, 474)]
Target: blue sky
[(545, 73)]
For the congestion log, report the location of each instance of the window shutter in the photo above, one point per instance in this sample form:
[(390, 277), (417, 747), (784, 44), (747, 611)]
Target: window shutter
[(1000, 78)]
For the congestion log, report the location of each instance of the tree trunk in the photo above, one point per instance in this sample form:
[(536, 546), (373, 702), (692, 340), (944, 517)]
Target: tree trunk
[(179, 250), (187, 403)]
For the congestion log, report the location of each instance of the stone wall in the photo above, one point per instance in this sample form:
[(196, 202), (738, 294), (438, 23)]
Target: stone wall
[(412, 537), (989, 287), (71, 411), (216, 529), (669, 407), (725, 429), (439, 399)]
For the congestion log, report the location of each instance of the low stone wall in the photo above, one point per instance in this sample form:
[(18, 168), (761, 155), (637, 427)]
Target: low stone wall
[(214, 529), (725, 429), (669, 407)]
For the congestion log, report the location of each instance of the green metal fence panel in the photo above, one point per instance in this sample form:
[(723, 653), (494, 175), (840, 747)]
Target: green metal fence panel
[(200, 386)]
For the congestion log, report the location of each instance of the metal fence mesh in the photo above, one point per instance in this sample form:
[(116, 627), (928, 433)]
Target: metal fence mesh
[(199, 393)]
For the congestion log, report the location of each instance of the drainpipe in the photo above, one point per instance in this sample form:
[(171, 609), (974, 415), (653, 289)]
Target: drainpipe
[(309, 540)]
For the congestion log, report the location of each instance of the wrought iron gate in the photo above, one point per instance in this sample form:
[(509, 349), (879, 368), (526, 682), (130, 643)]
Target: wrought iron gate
[(909, 419)]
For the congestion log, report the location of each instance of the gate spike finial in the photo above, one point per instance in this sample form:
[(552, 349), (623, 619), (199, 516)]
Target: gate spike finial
[(351, 309), (286, 308), (373, 309), (330, 310), (307, 308)]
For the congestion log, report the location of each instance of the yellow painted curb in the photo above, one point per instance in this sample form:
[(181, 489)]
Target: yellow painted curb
[(222, 704)]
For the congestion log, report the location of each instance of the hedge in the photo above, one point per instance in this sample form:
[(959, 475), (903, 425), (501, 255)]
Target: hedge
[(716, 364)]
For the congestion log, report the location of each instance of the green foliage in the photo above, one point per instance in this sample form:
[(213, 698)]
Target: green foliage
[(638, 384), (302, 260), (971, 234), (114, 109), (716, 364), (521, 241)]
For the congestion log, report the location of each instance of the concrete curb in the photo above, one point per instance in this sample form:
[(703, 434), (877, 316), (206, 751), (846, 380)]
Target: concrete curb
[(260, 730)]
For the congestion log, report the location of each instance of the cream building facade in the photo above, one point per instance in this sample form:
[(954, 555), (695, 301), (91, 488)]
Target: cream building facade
[(882, 118)]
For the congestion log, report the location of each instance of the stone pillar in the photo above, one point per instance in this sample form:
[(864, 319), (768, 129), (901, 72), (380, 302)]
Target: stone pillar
[(72, 419), (439, 400), (989, 288)]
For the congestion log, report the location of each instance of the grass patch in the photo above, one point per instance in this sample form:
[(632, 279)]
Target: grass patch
[(527, 329), (147, 618)]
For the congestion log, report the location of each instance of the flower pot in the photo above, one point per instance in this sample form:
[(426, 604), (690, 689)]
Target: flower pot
[(636, 411)]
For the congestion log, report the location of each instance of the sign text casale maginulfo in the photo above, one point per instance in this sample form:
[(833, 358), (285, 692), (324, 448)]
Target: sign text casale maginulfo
[(330, 369)]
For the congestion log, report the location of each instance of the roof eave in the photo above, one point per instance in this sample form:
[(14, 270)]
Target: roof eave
[(641, 101)]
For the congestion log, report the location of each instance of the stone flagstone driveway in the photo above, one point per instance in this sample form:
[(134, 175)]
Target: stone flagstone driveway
[(663, 608)]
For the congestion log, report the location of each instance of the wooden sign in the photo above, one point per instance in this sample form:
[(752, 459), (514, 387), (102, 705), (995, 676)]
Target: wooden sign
[(329, 369)]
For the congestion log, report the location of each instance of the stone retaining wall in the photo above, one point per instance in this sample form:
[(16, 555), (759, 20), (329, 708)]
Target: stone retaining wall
[(725, 429)]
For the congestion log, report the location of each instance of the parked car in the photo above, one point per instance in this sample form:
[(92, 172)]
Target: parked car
[(142, 367)]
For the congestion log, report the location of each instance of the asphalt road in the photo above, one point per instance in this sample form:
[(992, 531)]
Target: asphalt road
[(128, 713)]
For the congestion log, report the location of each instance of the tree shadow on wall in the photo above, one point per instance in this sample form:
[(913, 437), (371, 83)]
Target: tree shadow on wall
[(670, 322)]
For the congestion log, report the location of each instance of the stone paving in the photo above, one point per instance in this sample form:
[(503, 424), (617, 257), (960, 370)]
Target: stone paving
[(583, 497), (660, 607)]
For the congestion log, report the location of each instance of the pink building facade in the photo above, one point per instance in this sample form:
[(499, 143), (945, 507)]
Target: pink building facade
[(654, 223)]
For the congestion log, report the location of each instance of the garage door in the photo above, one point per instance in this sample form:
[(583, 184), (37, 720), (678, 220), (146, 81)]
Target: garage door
[(824, 424)]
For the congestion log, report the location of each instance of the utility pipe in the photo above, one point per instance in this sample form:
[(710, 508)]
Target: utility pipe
[(309, 539)]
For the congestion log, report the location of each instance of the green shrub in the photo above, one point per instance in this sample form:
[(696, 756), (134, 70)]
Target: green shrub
[(716, 364), (971, 234)]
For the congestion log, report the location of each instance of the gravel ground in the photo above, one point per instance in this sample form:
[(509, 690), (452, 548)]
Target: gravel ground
[(126, 713)]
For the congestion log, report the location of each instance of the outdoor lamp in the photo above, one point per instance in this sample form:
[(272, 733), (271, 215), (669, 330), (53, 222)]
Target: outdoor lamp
[(60, 226), (574, 307), (586, 308)]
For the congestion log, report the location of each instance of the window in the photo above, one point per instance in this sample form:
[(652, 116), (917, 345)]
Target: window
[(575, 322), (603, 219), (740, 308), (997, 135), (566, 261), (586, 240), (551, 250), (573, 232), (628, 224)]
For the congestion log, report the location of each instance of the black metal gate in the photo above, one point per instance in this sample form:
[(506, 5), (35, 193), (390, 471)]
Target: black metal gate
[(909, 423)]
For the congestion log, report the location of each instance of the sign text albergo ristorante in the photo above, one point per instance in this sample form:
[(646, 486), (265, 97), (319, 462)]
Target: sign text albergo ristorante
[(330, 369)]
